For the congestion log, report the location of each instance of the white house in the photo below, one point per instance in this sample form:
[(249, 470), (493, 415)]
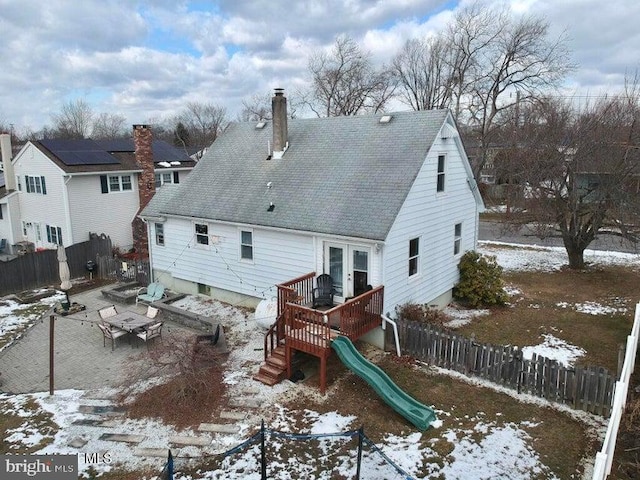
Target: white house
[(371, 200), (58, 191)]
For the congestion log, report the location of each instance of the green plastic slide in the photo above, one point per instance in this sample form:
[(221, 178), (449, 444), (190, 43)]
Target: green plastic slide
[(417, 413)]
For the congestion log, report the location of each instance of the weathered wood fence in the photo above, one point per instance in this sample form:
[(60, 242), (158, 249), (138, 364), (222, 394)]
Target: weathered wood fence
[(588, 388), (40, 268), (121, 270)]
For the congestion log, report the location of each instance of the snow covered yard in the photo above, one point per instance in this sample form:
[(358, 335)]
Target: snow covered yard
[(482, 430)]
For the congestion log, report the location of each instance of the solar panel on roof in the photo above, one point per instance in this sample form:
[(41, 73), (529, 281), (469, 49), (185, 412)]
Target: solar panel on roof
[(79, 152)]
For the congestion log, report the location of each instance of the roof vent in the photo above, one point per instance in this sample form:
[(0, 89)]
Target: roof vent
[(260, 125), (385, 119)]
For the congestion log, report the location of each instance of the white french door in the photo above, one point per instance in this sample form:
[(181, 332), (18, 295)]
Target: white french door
[(349, 267)]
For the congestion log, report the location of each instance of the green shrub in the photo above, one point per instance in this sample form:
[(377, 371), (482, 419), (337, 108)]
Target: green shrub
[(421, 313), (480, 281)]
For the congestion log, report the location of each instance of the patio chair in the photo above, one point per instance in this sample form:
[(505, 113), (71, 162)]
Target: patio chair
[(151, 293), (150, 333), (112, 333), (323, 293), (107, 312), (152, 312)]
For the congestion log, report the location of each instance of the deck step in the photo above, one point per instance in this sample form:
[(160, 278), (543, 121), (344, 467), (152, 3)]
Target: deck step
[(273, 371), (277, 361), (271, 381)]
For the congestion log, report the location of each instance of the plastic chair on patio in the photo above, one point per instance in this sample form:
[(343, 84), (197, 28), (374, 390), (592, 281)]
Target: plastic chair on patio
[(112, 333), (152, 312)]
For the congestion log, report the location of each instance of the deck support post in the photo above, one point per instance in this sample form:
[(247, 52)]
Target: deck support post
[(323, 374), (288, 354)]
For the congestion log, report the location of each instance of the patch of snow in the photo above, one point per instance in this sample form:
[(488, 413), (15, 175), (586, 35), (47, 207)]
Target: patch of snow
[(462, 316), (554, 349)]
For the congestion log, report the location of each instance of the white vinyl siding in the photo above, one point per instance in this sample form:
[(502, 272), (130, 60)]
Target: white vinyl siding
[(427, 214), (92, 211), (282, 256)]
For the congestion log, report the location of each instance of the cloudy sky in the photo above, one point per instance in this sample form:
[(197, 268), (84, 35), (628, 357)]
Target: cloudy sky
[(146, 59)]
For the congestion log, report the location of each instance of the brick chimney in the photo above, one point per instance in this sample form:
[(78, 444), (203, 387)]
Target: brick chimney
[(279, 115), (142, 140), (7, 167)]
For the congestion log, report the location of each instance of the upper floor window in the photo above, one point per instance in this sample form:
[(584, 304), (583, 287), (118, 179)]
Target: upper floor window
[(457, 238), (35, 184), (165, 178), (246, 245), (202, 233), (116, 183), (54, 235), (414, 256), (159, 234), (440, 177)]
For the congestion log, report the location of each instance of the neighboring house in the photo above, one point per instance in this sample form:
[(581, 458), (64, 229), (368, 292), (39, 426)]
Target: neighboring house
[(58, 191), (377, 200)]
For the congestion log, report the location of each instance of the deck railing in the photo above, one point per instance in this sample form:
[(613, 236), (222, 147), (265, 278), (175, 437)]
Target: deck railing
[(306, 329), (359, 315), (299, 291)]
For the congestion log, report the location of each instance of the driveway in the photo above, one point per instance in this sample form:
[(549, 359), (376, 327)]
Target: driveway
[(80, 360)]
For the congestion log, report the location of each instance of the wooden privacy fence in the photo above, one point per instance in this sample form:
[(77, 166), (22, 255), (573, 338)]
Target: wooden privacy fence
[(588, 388), (133, 270), (40, 268)]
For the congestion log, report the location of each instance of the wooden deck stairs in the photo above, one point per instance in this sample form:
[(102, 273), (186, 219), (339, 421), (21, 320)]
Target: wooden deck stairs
[(274, 369)]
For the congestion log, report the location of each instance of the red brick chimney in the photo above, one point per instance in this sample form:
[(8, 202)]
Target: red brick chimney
[(142, 140)]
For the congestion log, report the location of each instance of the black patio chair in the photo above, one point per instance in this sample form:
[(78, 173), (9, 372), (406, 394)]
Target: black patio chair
[(323, 293)]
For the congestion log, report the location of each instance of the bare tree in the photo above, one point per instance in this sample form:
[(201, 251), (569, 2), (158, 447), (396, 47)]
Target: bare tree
[(203, 121), (501, 63), (107, 125), (345, 81), (75, 120), (424, 75), (582, 169), (256, 108)]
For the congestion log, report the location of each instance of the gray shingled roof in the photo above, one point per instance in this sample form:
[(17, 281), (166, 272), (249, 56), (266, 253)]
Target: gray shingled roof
[(341, 175)]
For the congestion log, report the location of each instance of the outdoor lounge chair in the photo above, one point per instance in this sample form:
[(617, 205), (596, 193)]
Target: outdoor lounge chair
[(151, 332), (323, 293), (112, 333), (151, 293)]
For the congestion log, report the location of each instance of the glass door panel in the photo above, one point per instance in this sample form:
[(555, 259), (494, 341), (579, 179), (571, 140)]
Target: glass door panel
[(360, 271), (336, 269)]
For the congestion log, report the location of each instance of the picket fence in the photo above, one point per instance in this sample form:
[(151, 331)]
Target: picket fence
[(604, 458), (584, 388)]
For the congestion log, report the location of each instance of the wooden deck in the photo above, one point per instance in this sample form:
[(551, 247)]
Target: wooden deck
[(301, 328)]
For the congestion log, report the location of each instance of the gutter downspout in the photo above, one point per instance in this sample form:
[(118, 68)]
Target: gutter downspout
[(386, 319)]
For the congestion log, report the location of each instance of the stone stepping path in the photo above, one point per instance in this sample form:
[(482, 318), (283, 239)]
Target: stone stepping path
[(87, 422), (101, 409), (219, 427), (151, 452), (229, 415), (188, 440), (121, 437), (245, 403)]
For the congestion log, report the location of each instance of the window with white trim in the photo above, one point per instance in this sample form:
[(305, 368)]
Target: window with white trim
[(414, 256), (119, 183), (35, 184), (440, 178), (159, 234), (202, 233), (54, 235), (246, 245), (163, 178), (457, 238)]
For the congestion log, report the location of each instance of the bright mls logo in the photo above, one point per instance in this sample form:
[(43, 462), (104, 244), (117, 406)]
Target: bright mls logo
[(50, 467)]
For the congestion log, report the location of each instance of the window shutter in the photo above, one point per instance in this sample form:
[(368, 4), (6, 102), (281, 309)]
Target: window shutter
[(44, 186), (59, 235), (48, 233), (26, 182), (176, 177), (103, 184)]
